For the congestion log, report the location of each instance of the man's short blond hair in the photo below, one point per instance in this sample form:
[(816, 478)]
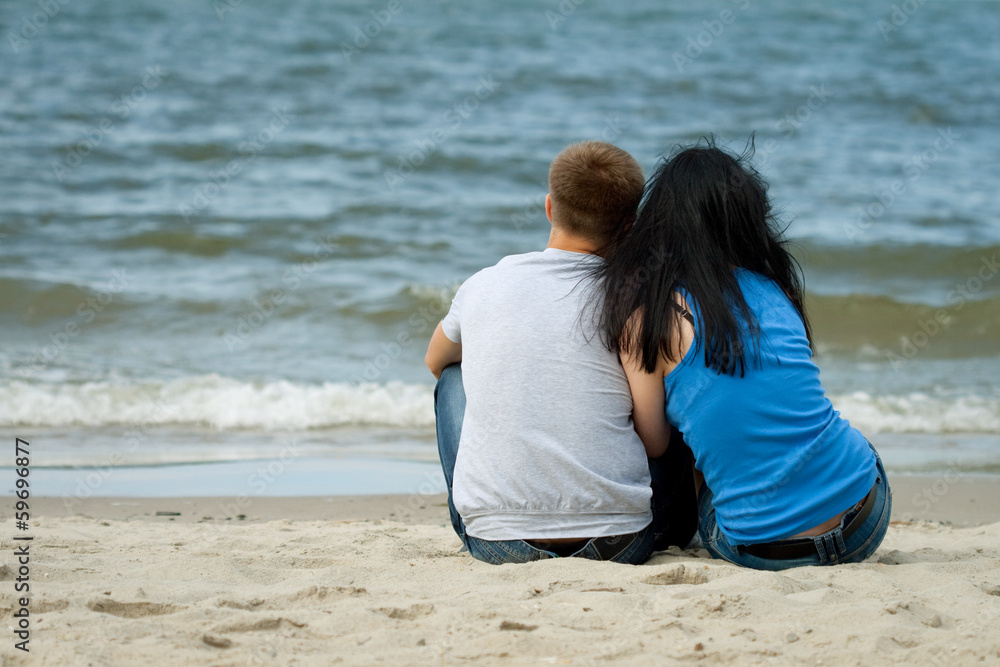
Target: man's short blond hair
[(595, 188)]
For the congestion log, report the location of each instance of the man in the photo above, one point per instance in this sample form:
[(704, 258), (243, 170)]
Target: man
[(534, 427)]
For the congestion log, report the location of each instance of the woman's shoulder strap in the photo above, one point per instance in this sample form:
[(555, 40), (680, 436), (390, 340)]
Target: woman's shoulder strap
[(683, 311)]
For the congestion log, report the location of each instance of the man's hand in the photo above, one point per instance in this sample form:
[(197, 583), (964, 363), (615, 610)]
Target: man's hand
[(442, 352)]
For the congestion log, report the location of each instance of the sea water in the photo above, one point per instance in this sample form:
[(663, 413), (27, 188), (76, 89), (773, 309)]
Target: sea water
[(228, 225)]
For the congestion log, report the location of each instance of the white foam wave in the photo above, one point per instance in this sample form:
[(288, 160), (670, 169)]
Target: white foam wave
[(919, 413), (223, 403)]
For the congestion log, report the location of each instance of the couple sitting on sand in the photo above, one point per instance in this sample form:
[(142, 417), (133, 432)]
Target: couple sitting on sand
[(647, 375)]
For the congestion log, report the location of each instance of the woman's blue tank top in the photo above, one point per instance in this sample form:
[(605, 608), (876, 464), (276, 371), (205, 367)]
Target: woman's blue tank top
[(776, 455)]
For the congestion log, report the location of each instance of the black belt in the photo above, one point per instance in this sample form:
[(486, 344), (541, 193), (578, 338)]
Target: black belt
[(801, 547)]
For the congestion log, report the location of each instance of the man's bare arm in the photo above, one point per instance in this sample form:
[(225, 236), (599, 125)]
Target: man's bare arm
[(441, 352)]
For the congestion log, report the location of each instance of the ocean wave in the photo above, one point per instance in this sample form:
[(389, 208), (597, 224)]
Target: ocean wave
[(183, 240), (228, 404), (880, 262), (919, 413), (32, 300), (962, 328), (217, 402)]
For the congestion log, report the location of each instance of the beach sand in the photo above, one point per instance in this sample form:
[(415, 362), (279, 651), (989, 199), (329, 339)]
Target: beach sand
[(381, 580)]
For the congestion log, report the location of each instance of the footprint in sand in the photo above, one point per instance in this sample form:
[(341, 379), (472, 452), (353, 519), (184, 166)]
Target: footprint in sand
[(410, 613), (898, 558), (247, 605), (318, 593), (927, 616), (217, 642), (37, 607), (259, 625), (990, 589), (132, 609), (46, 606), (675, 575), (515, 626)]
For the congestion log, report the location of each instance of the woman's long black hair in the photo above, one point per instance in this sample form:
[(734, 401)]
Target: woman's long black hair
[(704, 213)]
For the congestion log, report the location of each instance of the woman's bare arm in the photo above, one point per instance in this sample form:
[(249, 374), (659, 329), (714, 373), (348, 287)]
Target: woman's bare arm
[(648, 406)]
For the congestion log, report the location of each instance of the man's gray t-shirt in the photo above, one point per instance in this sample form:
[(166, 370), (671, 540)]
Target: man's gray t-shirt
[(548, 449)]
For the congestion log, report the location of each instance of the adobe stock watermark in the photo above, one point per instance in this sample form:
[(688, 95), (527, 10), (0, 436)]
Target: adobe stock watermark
[(86, 312), (217, 182), (121, 109), (792, 122), (929, 496), (565, 9), (33, 24), (534, 211), (364, 34), (419, 327), (766, 495), (532, 214), (223, 7), (912, 344), (711, 31), (407, 162), (87, 485), (898, 17), (913, 169), (655, 260), (432, 485), (261, 479), (263, 309)]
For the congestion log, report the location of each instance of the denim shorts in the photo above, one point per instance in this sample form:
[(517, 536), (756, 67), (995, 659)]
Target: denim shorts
[(633, 549), (831, 547)]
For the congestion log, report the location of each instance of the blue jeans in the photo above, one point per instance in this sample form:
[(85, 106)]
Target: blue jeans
[(674, 505), (831, 547)]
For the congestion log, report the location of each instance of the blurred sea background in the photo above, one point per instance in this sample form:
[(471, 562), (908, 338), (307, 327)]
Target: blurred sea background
[(227, 229)]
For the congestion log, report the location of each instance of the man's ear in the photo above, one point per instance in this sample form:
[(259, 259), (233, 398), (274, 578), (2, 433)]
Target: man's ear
[(548, 206)]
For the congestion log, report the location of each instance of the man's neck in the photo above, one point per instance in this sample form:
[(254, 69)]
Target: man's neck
[(561, 240)]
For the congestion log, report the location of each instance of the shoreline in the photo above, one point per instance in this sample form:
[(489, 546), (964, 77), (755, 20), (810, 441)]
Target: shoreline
[(947, 498)]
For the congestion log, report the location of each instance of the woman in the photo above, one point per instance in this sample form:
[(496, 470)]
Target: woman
[(705, 306)]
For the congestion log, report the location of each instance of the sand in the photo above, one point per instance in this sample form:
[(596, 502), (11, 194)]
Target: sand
[(343, 583)]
